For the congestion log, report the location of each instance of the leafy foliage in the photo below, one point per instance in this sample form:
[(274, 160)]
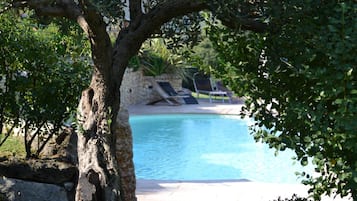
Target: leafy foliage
[(182, 32), (42, 73), (203, 56), (109, 9), (156, 59), (300, 82), (237, 9)]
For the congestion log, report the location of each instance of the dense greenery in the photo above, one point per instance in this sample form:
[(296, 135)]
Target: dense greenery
[(300, 82), (43, 70), (203, 56), (156, 59)]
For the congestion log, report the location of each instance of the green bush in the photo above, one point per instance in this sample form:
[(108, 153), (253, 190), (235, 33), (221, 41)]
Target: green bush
[(43, 70)]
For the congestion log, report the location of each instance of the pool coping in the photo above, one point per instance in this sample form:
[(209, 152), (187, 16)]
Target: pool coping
[(204, 107), (229, 190)]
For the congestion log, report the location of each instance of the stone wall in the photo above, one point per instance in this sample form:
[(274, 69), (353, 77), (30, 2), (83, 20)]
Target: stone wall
[(137, 88)]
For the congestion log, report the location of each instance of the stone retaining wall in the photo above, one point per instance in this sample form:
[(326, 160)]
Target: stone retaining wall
[(137, 88)]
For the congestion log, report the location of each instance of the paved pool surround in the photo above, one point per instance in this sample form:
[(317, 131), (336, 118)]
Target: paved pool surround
[(204, 107)]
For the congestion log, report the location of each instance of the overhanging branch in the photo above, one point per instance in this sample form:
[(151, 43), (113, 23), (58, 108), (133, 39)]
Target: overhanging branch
[(148, 23), (247, 15), (135, 8), (174, 8)]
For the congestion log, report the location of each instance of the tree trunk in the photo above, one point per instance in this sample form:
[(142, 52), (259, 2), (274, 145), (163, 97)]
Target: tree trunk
[(98, 171), (105, 158), (124, 155), (101, 178)]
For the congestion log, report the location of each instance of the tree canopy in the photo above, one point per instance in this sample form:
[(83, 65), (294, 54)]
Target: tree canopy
[(299, 79)]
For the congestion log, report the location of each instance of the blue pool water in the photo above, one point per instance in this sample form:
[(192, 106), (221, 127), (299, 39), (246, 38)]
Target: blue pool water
[(205, 147)]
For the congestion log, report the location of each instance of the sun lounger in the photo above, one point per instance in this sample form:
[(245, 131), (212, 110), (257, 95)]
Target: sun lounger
[(203, 85), (168, 93)]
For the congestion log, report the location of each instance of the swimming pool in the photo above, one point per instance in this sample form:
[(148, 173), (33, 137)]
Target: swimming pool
[(205, 147)]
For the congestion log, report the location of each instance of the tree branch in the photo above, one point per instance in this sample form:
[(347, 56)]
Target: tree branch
[(240, 14), (163, 13), (130, 39), (135, 9)]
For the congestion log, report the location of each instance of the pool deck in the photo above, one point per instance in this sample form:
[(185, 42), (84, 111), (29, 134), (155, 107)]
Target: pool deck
[(217, 190)]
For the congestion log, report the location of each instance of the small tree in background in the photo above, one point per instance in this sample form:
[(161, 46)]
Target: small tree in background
[(42, 72)]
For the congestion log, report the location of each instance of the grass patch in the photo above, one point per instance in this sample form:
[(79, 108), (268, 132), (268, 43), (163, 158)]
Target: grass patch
[(205, 96), (13, 146)]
